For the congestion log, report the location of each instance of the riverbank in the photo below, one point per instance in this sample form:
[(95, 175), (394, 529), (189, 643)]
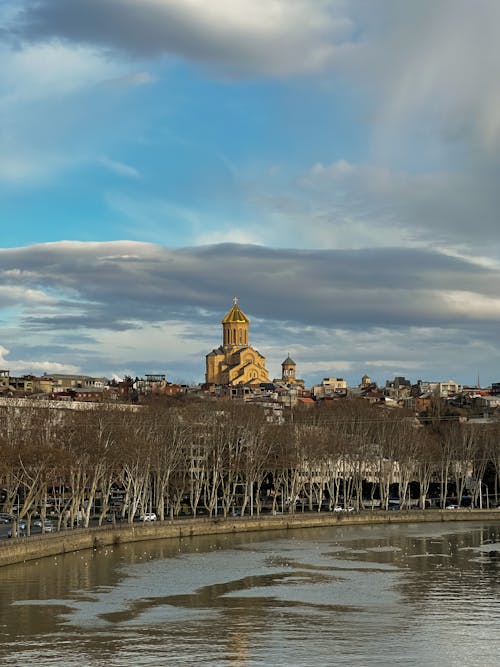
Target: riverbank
[(52, 544)]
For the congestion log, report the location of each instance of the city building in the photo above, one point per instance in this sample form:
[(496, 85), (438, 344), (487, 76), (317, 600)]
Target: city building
[(235, 362), (331, 386), (441, 389), (62, 382), (4, 379), (398, 388), (22, 384), (156, 385), (151, 383)]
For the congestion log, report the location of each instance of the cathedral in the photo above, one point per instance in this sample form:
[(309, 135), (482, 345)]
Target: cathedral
[(235, 362)]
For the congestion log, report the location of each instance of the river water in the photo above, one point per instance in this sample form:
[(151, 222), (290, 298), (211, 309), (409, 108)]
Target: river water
[(413, 595)]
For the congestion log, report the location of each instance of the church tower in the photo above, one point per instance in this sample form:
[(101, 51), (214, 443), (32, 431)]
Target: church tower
[(288, 369), (235, 327), (289, 374)]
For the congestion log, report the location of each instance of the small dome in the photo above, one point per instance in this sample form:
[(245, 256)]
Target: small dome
[(288, 362)]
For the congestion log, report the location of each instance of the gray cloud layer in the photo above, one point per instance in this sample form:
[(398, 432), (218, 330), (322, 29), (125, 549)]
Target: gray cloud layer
[(389, 310), (447, 208), (113, 285), (271, 36)]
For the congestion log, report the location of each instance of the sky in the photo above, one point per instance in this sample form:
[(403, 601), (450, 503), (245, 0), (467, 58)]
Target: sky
[(335, 164)]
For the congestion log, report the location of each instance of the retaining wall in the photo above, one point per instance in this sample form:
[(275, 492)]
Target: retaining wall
[(39, 546)]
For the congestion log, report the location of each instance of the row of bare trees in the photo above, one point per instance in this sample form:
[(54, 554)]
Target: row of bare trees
[(221, 457)]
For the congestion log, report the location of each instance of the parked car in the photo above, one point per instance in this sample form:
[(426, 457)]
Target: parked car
[(5, 518), (339, 508), (149, 516), (49, 527), (452, 507)]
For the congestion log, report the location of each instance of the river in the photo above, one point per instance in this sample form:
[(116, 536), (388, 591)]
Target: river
[(405, 594)]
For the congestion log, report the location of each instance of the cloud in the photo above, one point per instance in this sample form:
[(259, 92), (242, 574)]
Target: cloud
[(39, 71), (47, 96), (427, 93), (431, 65), (30, 366), (107, 306), (446, 208), (18, 296), (425, 73), (31, 166), (130, 79), (119, 168), (234, 36), (118, 283), (231, 235)]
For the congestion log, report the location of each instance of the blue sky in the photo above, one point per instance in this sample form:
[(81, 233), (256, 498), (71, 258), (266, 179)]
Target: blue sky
[(334, 163), (177, 145)]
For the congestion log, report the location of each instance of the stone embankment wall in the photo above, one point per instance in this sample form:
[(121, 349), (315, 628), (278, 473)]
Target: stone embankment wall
[(39, 546)]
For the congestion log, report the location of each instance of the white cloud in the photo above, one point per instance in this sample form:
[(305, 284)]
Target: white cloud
[(47, 366), (40, 71), (119, 168), (30, 366), (17, 295), (472, 305), (47, 91)]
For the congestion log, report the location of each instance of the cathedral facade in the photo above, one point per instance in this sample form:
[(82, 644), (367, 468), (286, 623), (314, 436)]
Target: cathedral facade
[(235, 362)]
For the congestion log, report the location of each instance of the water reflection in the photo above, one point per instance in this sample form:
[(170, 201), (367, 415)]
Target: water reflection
[(401, 594)]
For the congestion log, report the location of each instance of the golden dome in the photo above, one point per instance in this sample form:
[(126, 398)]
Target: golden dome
[(235, 314)]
